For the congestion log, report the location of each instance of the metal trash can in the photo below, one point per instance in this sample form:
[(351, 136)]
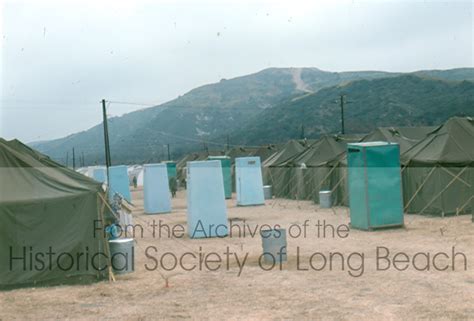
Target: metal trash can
[(122, 255), (325, 200), (267, 192), (274, 245)]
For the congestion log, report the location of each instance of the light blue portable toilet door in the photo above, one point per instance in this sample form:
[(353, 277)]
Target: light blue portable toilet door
[(248, 180), (207, 212), (118, 182), (156, 195)]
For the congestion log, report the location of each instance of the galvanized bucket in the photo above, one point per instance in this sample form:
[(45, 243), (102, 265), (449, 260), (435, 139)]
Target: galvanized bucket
[(122, 254), (325, 200), (267, 192), (274, 245)]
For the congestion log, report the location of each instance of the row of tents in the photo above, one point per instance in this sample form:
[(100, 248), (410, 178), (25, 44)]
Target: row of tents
[(47, 210), (437, 166)]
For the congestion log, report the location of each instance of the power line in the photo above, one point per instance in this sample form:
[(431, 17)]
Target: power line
[(207, 141), (133, 103)]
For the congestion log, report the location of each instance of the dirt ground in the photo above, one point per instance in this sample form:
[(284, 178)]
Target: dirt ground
[(286, 292)]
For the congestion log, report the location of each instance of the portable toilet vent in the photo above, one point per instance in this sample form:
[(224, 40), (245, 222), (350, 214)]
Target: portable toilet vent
[(374, 178), (118, 182), (248, 180), (226, 174), (156, 195), (207, 212)]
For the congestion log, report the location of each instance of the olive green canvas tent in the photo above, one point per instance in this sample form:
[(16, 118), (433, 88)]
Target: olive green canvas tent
[(316, 169), (405, 137), (321, 167), (265, 152), (438, 171), (240, 152), (47, 216), (275, 170)]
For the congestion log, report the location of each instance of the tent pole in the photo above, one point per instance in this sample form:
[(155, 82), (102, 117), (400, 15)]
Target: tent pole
[(106, 243), (108, 206)]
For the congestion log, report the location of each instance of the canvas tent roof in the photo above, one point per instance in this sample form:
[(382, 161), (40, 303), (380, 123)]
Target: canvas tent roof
[(406, 137), (196, 156), (439, 170), (35, 176), (415, 133), (451, 143), (324, 150), (289, 150), (265, 151), (43, 205), (240, 152)]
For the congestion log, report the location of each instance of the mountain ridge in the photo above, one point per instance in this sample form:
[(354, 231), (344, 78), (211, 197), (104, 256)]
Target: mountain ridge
[(212, 111)]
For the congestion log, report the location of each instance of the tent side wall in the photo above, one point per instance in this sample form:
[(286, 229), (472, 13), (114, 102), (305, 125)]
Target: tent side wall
[(305, 183), (59, 225), (278, 177), (438, 190)]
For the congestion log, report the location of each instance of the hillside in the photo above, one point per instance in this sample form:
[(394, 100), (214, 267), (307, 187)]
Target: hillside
[(204, 112), (235, 107), (405, 100)]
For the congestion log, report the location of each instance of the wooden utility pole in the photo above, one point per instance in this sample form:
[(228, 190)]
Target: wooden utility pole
[(73, 159), (106, 138), (302, 135), (169, 155), (342, 101), (342, 114)]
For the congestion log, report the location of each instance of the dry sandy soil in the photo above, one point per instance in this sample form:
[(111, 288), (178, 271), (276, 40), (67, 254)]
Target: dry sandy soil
[(283, 293)]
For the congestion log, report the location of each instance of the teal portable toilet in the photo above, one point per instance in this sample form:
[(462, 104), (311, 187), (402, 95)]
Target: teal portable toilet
[(374, 179), (100, 174), (248, 181), (207, 212), (118, 182), (156, 194), (226, 173)]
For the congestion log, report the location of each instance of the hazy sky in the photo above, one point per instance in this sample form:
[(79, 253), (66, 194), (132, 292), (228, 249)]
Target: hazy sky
[(59, 58)]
